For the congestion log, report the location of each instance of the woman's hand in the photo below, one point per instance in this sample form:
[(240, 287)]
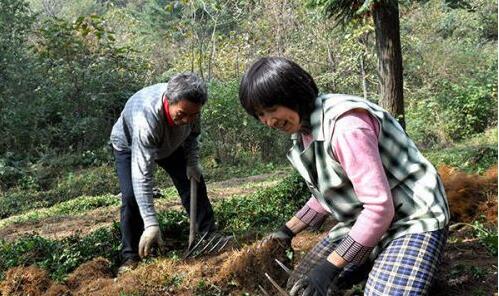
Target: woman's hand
[(317, 281), (283, 235)]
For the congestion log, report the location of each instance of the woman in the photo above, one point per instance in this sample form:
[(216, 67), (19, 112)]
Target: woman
[(363, 170)]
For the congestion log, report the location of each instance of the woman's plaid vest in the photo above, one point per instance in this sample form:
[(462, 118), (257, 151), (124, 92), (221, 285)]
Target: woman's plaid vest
[(418, 194)]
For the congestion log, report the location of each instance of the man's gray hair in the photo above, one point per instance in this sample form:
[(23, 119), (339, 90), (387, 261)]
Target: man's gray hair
[(186, 86)]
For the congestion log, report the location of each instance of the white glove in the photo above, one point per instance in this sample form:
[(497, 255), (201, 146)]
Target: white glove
[(150, 237), (195, 172)]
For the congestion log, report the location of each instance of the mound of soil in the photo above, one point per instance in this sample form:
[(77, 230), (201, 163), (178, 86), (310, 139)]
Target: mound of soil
[(470, 195), (22, 281), (58, 290), (98, 268)]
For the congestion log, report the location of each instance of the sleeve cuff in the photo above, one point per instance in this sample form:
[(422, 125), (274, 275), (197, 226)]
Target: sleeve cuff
[(310, 217), (352, 251), (150, 221)]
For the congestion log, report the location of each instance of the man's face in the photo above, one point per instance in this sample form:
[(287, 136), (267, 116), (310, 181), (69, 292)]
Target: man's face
[(184, 112)]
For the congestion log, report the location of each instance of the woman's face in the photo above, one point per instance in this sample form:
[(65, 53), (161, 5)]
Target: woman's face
[(281, 118)]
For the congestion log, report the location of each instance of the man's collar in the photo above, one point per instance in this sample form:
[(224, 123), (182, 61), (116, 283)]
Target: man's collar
[(166, 106)]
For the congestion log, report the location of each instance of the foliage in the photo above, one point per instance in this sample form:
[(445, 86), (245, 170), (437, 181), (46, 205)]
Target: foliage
[(474, 155), (450, 71), (230, 135), (16, 20), (487, 236), (79, 79), (471, 108), (343, 11), (263, 210)]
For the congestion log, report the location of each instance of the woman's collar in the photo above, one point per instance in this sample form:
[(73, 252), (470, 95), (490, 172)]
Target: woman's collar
[(317, 120)]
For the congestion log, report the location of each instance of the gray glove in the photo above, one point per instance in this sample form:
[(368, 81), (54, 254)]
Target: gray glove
[(150, 237), (195, 172)]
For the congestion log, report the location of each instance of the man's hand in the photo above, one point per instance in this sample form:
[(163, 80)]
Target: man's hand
[(195, 172), (317, 281), (150, 237), (283, 234)]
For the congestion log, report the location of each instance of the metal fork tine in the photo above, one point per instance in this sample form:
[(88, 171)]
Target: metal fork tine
[(284, 267), (274, 283), (189, 252), (217, 244), (227, 240), (205, 246), (263, 291)]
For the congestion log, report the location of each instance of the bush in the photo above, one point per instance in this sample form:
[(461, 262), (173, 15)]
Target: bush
[(469, 108), (79, 81), (461, 110), (230, 135)]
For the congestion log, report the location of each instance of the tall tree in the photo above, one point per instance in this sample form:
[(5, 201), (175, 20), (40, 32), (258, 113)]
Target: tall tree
[(385, 14)]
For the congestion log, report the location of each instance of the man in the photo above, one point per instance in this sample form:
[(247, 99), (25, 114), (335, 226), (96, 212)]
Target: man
[(160, 124)]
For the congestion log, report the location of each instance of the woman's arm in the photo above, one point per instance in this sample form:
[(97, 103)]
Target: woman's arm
[(355, 146), (312, 214)]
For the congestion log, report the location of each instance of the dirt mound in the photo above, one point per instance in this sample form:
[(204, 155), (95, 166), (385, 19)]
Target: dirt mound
[(248, 266), (470, 195), (488, 208), (21, 281), (83, 280), (58, 290)]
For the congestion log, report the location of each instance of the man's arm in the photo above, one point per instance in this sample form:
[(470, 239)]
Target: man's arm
[(142, 167), (191, 144)]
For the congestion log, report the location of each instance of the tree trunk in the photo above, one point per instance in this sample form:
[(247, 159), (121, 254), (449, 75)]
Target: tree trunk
[(387, 28), (212, 51), (363, 76), (332, 66)]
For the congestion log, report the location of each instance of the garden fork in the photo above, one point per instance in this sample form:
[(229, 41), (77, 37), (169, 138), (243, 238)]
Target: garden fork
[(207, 243), (281, 291)]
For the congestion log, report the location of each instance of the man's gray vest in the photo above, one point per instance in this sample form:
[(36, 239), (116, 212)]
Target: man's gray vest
[(418, 194)]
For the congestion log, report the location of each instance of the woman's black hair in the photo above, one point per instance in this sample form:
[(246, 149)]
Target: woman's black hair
[(274, 81)]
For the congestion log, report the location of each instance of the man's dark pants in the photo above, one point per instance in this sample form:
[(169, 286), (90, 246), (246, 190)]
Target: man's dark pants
[(131, 224)]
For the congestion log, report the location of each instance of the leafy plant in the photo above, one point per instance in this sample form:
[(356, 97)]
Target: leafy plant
[(263, 210), (487, 236)]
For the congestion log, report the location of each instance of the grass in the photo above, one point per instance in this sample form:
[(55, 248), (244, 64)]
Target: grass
[(474, 155), (73, 207), (76, 206)]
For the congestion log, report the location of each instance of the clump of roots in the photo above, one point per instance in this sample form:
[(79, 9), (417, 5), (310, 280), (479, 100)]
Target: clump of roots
[(247, 267), (29, 280)]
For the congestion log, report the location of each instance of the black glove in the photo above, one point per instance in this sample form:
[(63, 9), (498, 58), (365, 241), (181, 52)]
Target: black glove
[(317, 281), (353, 276), (284, 234)]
